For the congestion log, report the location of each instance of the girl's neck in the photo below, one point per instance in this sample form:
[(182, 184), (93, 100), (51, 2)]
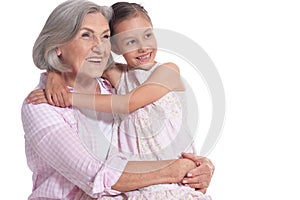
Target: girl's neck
[(143, 67)]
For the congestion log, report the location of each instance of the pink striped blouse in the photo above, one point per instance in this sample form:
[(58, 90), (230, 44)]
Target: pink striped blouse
[(63, 166)]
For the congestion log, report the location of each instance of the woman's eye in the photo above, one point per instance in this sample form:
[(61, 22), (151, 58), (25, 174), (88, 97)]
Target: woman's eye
[(106, 36), (86, 35)]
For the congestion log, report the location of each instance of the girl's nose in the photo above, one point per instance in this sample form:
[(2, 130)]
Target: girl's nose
[(142, 50), (142, 47)]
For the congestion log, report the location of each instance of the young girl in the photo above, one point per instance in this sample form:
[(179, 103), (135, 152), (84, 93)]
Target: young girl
[(149, 110)]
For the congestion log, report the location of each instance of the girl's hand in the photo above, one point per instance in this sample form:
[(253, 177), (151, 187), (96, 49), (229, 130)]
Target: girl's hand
[(199, 177), (56, 91), (36, 97), (39, 96)]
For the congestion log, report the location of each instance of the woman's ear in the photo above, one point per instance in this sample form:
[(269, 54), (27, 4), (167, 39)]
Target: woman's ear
[(58, 51)]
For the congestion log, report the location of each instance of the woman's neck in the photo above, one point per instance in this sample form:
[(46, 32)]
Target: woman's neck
[(82, 83)]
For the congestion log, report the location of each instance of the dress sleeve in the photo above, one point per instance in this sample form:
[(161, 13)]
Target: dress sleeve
[(52, 134)]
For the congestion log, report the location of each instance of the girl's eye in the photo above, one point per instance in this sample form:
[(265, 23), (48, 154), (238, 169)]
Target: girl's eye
[(131, 42), (148, 35)]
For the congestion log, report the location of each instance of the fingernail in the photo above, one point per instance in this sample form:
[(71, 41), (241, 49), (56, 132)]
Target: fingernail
[(189, 175), (184, 181)]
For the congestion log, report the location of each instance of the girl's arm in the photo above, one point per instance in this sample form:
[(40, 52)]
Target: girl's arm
[(164, 79), (113, 73), (56, 89)]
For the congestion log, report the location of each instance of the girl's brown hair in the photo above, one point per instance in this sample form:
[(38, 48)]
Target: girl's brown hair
[(126, 10)]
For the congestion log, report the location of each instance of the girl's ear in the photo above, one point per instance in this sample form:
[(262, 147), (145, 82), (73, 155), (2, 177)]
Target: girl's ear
[(115, 49)]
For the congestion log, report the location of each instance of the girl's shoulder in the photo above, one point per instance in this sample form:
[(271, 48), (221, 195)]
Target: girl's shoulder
[(113, 73), (170, 65)]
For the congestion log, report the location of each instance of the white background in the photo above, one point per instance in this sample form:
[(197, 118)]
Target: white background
[(255, 46)]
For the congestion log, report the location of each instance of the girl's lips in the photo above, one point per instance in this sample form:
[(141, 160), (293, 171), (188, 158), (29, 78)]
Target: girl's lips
[(144, 58)]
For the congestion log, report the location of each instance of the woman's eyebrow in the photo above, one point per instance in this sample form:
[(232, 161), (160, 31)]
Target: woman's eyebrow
[(91, 30), (106, 31), (87, 29)]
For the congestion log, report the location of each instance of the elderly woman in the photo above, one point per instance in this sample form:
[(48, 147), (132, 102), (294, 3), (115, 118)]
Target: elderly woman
[(66, 165)]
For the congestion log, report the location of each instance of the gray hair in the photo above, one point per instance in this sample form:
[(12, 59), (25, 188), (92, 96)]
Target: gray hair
[(61, 26)]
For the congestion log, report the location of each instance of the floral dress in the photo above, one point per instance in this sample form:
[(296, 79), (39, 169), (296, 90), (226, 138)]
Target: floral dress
[(157, 131)]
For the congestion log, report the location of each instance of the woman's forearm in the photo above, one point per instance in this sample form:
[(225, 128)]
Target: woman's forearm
[(138, 174)]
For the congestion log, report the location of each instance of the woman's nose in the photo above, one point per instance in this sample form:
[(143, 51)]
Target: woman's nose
[(98, 45), (98, 48)]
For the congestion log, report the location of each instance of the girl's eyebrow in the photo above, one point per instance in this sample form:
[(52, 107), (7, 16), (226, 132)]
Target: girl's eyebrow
[(132, 36), (127, 38), (148, 29)]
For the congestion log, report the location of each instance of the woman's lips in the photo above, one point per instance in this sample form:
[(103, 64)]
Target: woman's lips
[(94, 60)]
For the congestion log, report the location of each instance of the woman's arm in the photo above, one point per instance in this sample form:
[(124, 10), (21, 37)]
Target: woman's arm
[(198, 178), (139, 174), (49, 132)]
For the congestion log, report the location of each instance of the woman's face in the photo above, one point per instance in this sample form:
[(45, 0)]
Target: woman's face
[(88, 52), (135, 40)]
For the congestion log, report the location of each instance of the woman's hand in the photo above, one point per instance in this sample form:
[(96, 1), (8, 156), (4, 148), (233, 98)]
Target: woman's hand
[(199, 177), (179, 169)]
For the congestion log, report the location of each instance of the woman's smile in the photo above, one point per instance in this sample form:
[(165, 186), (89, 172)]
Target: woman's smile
[(94, 60)]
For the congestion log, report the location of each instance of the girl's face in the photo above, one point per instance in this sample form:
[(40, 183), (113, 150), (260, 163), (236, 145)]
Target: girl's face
[(135, 40), (88, 52)]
